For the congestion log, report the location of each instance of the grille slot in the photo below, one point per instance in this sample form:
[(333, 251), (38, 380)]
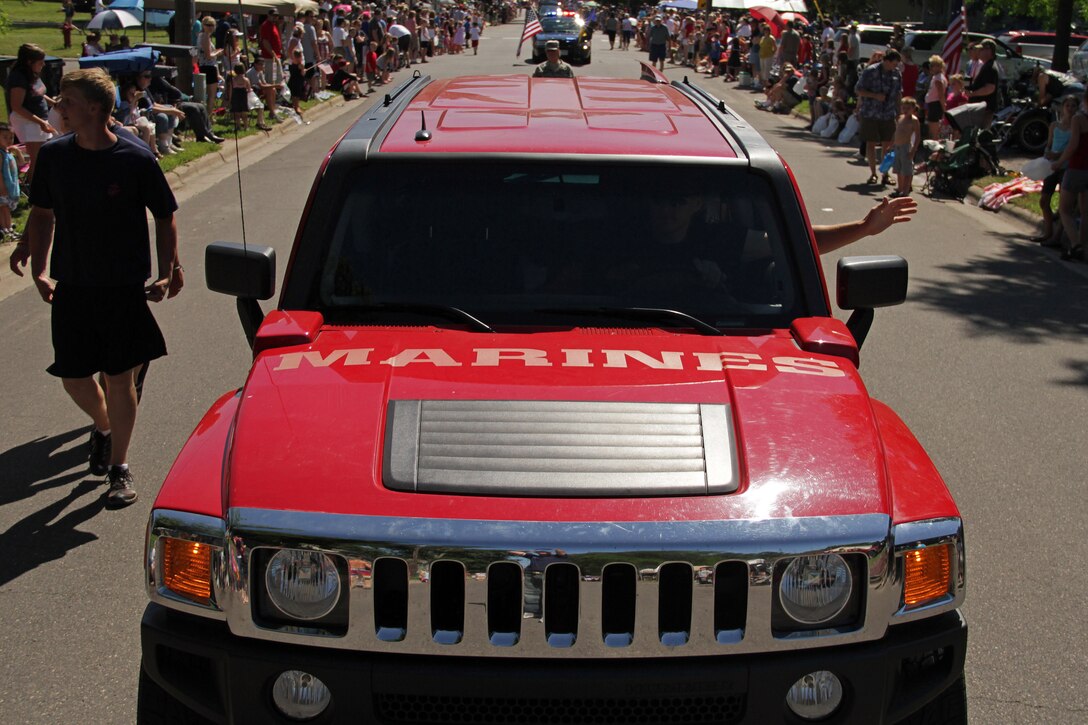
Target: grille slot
[(618, 604), (405, 709), (504, 604), (674, 603), (447, 584), (390, 599), (730, 601), (561, 604), (559, 448)]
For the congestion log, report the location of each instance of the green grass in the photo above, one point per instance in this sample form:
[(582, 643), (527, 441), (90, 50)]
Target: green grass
[(50, 39)]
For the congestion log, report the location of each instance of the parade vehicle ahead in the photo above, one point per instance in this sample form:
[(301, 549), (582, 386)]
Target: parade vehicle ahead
[(553, 423), (570, 31)]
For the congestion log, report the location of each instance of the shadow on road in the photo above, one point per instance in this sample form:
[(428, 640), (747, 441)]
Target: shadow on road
[(40, 465), (38, 539), (1017, 294)]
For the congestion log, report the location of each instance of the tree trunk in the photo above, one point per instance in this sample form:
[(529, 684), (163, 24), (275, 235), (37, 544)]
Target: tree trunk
[(1060, 60)]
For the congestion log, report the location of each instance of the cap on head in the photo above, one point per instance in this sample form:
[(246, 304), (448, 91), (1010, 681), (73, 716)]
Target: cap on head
[(551, 45)]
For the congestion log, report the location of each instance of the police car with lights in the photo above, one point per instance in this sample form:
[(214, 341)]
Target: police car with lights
[(570, 31), (591, 453)]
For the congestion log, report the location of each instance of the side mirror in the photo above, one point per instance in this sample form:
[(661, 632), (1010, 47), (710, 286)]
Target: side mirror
[(247, 273), (865, 283)]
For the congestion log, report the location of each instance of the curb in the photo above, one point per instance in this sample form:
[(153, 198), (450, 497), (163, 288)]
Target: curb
[(228, 149)]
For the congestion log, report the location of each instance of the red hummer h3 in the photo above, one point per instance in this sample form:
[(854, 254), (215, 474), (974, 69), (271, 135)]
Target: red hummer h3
[(553, 423)]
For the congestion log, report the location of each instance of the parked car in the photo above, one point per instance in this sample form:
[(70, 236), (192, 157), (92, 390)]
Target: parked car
[(1013, 64), (1038, 44), (1078, 66), (873, 38), (563, 385)]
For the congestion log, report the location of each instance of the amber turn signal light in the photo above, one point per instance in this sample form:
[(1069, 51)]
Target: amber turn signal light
[(187, 569), (928, 574)]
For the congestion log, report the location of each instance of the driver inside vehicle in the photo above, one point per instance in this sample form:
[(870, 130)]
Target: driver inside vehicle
[(681, 244)]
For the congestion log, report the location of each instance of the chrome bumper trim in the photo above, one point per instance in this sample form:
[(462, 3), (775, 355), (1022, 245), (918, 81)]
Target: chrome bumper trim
[(590, 546)]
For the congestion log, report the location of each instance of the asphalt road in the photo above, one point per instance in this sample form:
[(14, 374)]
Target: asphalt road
[(987, 362)]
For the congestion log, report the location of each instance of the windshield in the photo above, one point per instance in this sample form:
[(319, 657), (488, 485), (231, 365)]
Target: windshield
[(510, 243), (560, 24)]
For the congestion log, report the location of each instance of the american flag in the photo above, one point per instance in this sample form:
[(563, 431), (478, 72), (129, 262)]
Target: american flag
[(953, 42), (532, 27)]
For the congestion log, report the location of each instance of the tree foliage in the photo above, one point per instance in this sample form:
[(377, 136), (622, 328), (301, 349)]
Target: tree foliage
[(1043, 10)]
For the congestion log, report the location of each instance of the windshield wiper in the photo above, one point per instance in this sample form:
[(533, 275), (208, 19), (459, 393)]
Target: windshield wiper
[(658, 314), (443, 311)]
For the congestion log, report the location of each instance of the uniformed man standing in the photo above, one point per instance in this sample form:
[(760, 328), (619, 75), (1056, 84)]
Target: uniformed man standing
[(553, 67)]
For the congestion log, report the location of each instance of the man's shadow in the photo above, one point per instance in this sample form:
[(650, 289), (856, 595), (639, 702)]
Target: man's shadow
[(38, 466)]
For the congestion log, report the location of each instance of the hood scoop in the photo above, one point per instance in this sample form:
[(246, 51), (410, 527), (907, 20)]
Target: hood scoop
[(559, 448)]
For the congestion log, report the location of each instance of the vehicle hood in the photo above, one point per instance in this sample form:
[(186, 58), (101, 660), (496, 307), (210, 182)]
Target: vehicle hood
[(310, 431)]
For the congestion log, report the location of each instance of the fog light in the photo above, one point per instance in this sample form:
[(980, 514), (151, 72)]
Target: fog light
[(815, 696), (299, 695)]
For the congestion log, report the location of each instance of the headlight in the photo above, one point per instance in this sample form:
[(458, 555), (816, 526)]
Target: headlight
[(302, 584), (815, 588)]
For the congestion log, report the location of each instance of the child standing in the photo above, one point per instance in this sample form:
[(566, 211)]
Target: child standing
[(474, 36), (296, 80), (386, 64), (908, 134), (9, 200), (371, 66), (238, 87)]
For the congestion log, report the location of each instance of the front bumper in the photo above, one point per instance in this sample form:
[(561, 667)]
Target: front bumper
[(228, 679)]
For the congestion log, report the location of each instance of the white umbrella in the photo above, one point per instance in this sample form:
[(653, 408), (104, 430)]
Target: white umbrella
[(113, 20)]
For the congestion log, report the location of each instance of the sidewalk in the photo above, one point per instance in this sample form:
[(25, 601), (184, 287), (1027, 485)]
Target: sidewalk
[(225, 154)]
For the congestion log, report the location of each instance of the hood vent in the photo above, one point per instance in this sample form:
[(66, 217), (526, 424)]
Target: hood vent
[(560, 449)]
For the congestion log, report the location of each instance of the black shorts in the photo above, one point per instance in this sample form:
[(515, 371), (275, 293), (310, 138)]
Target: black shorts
[(934, 112), (404, 42), (1051, 182), (102, 329), (211, 74), (875, 130)]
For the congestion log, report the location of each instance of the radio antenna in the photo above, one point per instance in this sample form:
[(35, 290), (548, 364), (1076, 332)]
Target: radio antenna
[(237, 152)]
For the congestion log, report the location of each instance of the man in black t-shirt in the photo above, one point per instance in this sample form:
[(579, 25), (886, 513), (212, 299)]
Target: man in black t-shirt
[(984, 86), (96, 281)]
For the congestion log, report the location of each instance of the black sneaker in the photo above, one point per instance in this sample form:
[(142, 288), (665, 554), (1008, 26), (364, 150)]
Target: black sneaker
[(101, 446), (121, 491)]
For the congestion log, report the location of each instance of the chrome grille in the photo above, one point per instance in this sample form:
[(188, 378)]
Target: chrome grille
[(496, 589)]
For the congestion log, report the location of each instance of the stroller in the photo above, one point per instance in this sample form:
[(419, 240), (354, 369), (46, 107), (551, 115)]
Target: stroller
[(950, 167)]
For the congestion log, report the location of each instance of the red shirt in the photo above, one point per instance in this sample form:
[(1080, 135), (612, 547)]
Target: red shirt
[(270, 33), (910, 79), (371, 62)]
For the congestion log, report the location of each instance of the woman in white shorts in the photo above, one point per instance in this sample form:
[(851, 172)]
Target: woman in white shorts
[(28, 103)]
